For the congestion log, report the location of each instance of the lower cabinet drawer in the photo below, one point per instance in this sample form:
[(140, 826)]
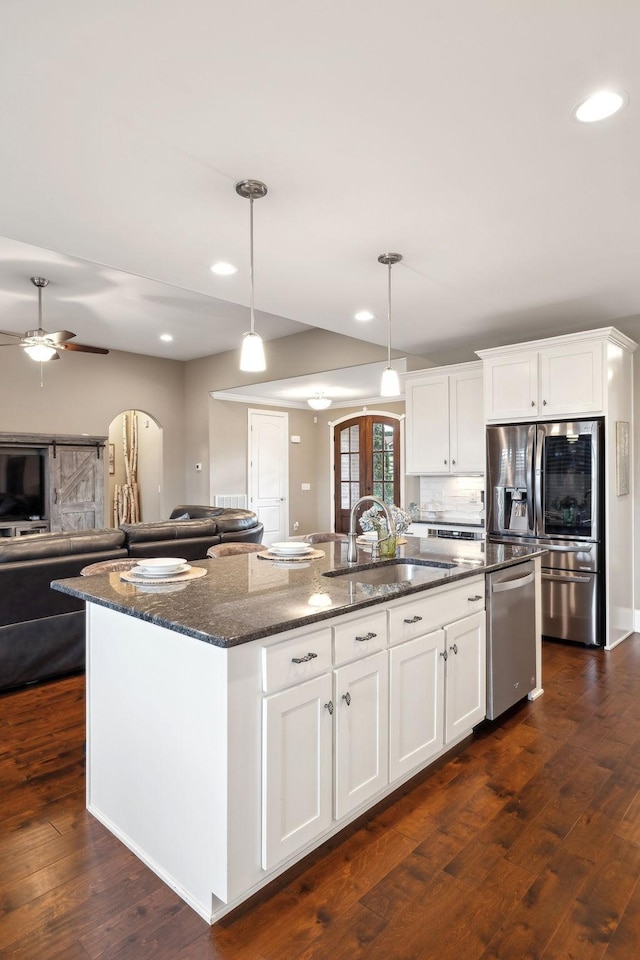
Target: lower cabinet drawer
[(360, 636), (295, 660), (424, 612)]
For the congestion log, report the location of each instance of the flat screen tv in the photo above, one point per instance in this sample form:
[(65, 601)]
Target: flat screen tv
[(21, 483)]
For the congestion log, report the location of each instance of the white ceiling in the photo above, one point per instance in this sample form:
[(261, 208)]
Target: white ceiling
[(439, 130)]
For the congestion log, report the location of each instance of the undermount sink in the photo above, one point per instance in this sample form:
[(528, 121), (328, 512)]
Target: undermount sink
[(393, 572)]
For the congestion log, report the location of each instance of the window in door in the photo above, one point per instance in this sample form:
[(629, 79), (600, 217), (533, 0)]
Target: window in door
[(367, 461)]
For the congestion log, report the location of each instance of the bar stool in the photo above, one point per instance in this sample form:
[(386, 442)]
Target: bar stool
[(108, 566), (234, 549)]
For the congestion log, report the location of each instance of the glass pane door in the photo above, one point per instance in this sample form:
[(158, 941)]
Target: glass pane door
[(568, 485)]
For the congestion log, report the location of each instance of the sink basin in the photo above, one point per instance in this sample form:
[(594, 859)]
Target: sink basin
[(399, 572)]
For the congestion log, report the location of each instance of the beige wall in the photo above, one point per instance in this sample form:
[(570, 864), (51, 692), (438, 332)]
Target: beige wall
[(82, 393)]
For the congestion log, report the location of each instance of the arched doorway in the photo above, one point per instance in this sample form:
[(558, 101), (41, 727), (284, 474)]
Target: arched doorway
[(148, 440), (366, 461)]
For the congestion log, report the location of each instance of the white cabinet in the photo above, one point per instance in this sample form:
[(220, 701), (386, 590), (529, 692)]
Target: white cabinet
[(445, 423), (416, 703), (563, 377), (296, 766), (466, 672), (361, 731)]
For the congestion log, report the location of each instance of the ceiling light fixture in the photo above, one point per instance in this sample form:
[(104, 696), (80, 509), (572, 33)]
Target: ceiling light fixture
[(39, 351), (223, 269), (166, 337), (390, 384), (319, 401), (252, 355), (364, 315), (599, 106)]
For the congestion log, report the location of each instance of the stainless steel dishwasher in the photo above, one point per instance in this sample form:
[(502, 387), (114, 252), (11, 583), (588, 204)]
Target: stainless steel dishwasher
[(511, 636)]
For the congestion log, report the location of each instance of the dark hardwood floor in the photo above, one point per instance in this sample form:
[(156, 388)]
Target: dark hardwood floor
[(524, 844)]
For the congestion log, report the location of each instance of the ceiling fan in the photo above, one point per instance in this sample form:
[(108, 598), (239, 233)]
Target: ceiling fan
[(43, 346)]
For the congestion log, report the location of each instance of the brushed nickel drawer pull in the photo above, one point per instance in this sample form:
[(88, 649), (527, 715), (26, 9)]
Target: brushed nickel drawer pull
[(368, 636), (309, 656), (347, 698), (329, 707), (415, 619), (478, 596)]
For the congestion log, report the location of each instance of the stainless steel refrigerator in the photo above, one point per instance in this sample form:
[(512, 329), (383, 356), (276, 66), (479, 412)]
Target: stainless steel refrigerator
[(544, 486)]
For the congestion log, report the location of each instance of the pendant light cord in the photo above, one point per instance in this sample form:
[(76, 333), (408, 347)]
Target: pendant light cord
[(389, 319), (251, 259)]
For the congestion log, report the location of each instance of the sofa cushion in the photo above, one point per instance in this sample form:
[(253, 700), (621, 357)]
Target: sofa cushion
[(194, 511), (235, 520), (168, 530), (42, 545)]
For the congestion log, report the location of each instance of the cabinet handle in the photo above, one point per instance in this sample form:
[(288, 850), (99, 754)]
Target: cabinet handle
[(454, 648), (347, 698), (415, 619), (533, 403), (544, 403), (444, 654), (309, 656), (478, 596), (368, 636), (453, 463), (445, 462), (329, 707)]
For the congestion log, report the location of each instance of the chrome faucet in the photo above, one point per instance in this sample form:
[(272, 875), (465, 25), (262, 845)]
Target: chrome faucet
[(352, 550)]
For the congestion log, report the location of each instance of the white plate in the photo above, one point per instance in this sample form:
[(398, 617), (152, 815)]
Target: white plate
[(159, 572), (161, 563), (291, 547)]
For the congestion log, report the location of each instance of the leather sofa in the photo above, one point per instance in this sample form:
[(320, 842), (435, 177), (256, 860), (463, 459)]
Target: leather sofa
[(42, 632)]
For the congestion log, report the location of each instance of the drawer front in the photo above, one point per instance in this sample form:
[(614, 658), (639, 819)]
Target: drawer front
[(295, 660), (360, 636), (425, 612)]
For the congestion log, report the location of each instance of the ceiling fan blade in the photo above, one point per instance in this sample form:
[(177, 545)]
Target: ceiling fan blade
[(81, 348), (5, 333), (60, 335), (56, 356)]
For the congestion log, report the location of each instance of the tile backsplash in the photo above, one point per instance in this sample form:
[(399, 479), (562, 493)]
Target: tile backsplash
[(458, 499)]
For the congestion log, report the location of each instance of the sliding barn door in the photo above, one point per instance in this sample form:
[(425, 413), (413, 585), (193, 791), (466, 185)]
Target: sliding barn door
[(76, 487)]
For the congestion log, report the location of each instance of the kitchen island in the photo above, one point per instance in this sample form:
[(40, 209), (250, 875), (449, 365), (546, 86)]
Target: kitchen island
[(237, 721)]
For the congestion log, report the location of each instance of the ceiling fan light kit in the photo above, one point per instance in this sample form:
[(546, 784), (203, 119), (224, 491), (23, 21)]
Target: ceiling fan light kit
[(390, 383), (252, 354), (42, 346)]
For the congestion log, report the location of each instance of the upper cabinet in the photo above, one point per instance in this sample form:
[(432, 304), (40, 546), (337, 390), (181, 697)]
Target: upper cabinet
[(559, 377), (445, 423)]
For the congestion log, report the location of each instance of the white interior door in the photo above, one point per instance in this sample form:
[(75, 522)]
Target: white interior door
[(269, 472)]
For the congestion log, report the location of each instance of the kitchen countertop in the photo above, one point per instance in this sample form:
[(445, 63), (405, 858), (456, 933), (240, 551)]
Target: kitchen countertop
[(246, 598)]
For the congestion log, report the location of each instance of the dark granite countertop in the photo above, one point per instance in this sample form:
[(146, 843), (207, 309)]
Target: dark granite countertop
[(246, 597)]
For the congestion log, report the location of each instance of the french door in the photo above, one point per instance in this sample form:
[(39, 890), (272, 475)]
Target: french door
[(366, 461)]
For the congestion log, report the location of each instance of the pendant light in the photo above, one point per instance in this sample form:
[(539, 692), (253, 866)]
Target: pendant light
[(252, 355), (390, 384)]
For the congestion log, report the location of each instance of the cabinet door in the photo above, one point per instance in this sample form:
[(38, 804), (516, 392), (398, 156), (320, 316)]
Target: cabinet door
[(416, 702), (466, 414), (361, 731), (466, 673), (571, 379), (427, 437), (76, 487), (511, 386), (296, 768)]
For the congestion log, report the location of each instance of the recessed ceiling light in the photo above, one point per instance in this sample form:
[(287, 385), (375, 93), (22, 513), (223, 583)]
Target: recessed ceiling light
[(599, 106), (364, 315), (223, 269), (166, 337)]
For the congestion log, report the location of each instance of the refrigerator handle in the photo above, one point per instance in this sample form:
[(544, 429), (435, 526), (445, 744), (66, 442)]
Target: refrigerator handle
[(538, 481), (529, 479)]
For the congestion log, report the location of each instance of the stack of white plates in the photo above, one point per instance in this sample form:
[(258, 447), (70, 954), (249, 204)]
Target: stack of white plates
[(291, 548), (160, 566)]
